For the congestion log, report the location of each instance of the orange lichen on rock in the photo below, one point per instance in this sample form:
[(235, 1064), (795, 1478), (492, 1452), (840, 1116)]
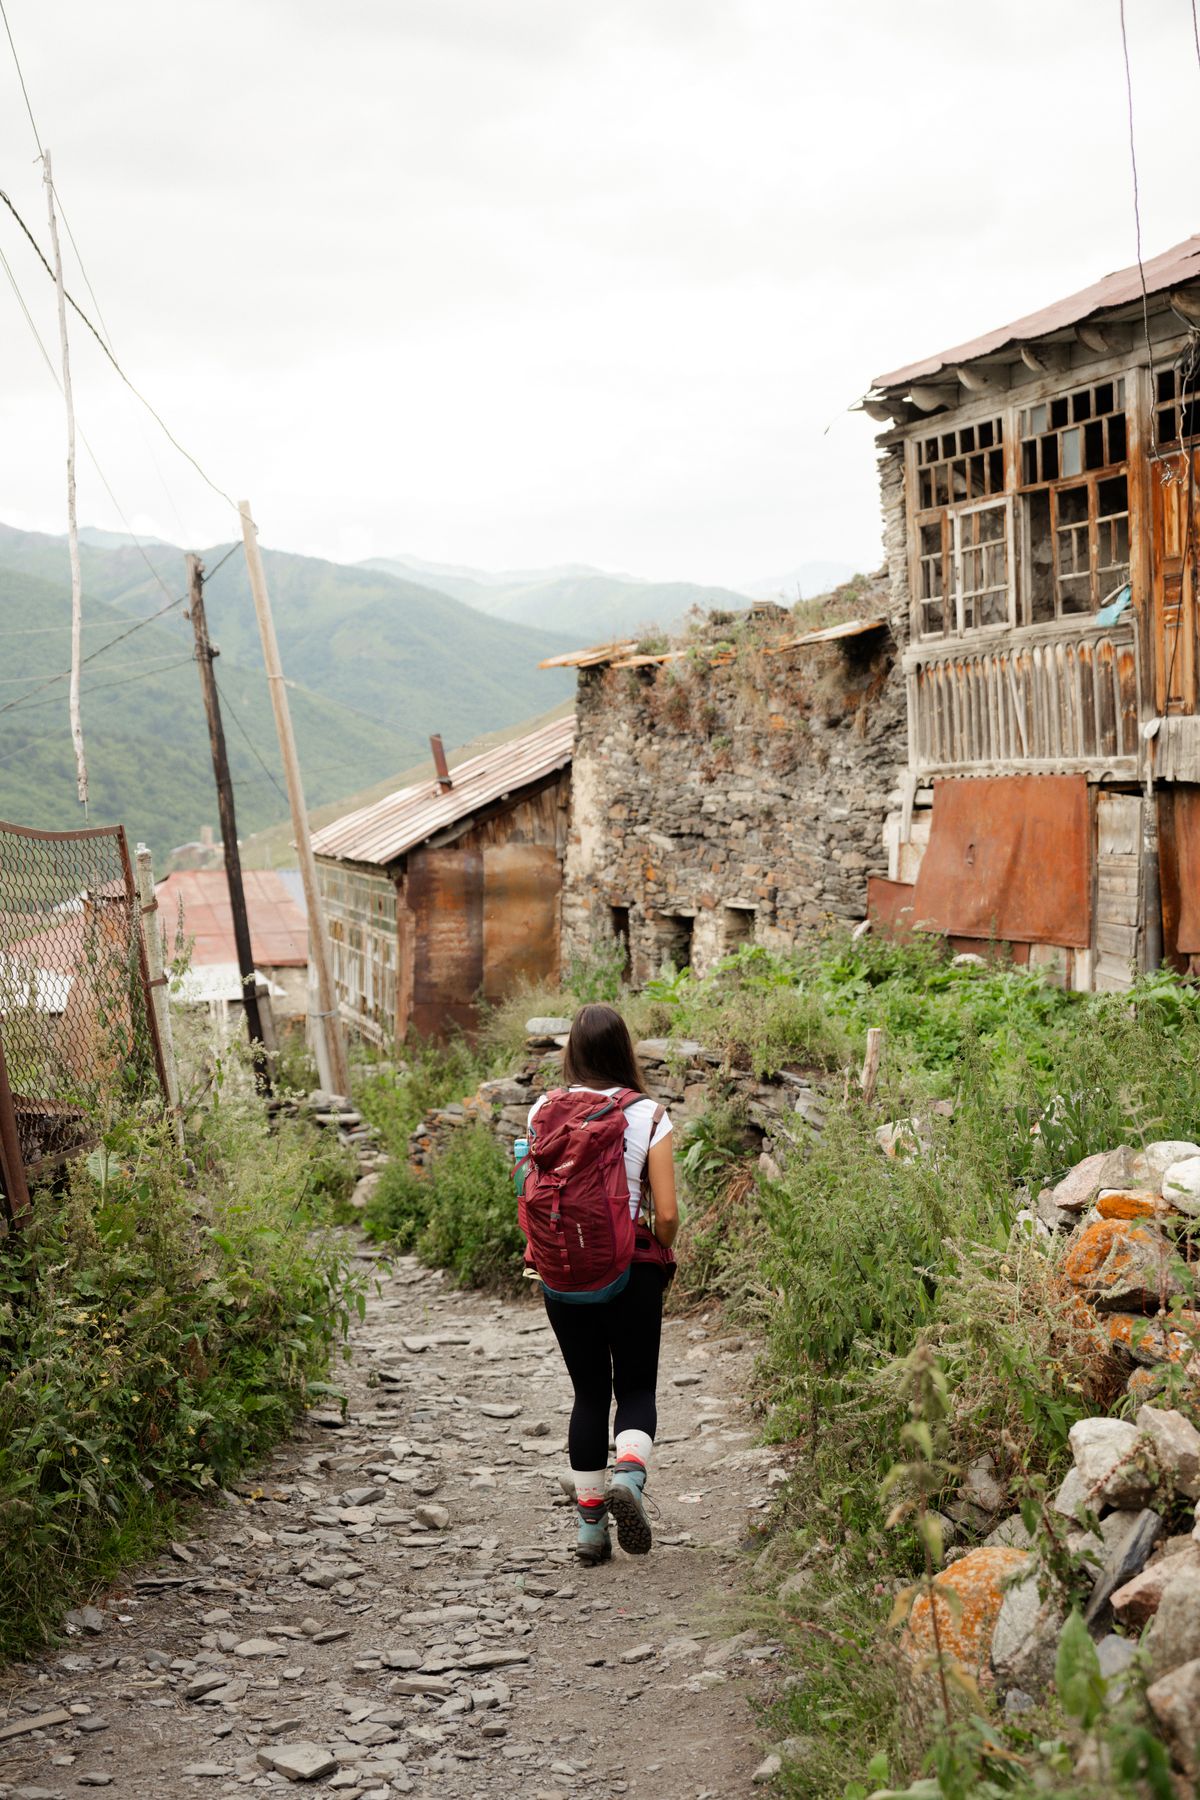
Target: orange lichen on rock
[(1120, 1265), (1149, 1340), (1125, 1203), (965, 1629)]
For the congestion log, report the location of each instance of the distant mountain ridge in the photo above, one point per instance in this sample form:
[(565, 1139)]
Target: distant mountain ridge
[(375, 663), (582, 603)]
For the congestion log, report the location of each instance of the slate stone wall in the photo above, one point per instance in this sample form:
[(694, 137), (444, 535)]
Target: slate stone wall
[(745, 801)]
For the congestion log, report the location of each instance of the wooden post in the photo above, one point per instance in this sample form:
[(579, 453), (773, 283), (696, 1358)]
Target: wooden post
[(12, 1157), (159, 999), (233, 860), (870, 1068), (81, 775), (328, 1019)]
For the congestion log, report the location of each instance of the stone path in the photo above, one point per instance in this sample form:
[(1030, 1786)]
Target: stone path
[(391, 1605)]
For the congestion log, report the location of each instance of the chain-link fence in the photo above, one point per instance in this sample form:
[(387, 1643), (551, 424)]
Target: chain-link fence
[(79, 1043)]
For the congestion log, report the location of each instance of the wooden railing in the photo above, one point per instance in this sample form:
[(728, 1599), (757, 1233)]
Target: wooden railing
[(1062, 696)]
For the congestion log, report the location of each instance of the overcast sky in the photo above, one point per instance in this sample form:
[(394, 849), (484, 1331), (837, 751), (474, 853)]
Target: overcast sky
[(517, 282)]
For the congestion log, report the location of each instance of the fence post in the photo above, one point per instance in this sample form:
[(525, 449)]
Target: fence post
[(152, 938), (12, 1159)]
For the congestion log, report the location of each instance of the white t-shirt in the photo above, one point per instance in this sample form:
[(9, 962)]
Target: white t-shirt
[(638, 1121)]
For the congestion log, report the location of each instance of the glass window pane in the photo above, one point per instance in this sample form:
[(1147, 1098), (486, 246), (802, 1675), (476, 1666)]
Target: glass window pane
[(1072, 452)]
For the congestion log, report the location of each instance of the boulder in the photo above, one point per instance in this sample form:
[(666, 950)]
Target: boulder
[(1153, 1162), (1121, 1266), (1174, 1637), (1149, 1341), (1025, 1638), (1181, 1186), (1129, 1537), (1080, 1185), (1115, 1655), (1012, 1532), (1105, 1452), (1071, 1495), (547, 1028), (965, 1631), (1053, 1216), (1175, 1702), (1176, 1447), (1140, 1598), (981, 1487)]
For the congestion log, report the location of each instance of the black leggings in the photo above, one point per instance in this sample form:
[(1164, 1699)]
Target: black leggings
[(611, 1346)]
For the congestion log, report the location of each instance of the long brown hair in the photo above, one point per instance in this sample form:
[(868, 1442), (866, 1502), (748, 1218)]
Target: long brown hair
[(600, 1051)]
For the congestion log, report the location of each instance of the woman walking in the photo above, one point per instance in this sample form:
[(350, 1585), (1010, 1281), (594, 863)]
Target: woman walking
[(609, 1328)]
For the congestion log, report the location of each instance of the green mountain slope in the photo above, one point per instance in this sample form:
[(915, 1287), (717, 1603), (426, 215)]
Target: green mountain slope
[(374, 664), (586, 605)]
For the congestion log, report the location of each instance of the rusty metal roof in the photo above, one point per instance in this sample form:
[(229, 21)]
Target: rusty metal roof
[(278, 928), (1172, 269), (384, 831)]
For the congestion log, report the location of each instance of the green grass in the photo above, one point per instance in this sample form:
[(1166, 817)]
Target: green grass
[(156, 1335), (460, 1215)]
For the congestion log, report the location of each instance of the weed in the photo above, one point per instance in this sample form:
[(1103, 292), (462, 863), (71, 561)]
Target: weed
[(460, 1214), (153, 1340)]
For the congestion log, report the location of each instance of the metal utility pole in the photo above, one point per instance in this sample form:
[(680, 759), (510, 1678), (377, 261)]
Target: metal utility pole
[(205, 652), (329, 1037)]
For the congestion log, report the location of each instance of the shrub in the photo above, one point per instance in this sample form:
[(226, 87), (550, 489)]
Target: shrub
[(395, 1096), (153, 1340), (460, 1214)]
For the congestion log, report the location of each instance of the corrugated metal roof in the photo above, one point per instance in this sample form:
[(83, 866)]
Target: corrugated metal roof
[(278, 929), (1172, 269), (384, 831), (591, 659)]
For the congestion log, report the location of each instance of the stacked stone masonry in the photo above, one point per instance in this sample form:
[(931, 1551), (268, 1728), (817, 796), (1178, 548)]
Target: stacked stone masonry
[(734, 794)]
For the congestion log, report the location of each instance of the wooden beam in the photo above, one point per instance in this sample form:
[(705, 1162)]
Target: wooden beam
[(983, 381), (927, 399), (1187, 302), (1045, 359), (1105, 339)]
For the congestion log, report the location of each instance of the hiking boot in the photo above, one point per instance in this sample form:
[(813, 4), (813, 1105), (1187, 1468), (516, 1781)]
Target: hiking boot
[(628, 1508), (594, 1543)]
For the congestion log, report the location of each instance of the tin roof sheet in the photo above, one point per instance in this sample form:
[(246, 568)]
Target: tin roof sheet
[(385, 830), (591, 659), (278, 928), (1172, 269)]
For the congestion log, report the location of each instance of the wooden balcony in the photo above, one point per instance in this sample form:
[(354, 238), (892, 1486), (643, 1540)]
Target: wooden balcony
[(1061, 697)]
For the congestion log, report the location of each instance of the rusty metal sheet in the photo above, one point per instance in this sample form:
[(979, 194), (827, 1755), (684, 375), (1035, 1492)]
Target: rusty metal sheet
[(1179, 870), (1009, 858), (521, 885), (445, 896), (889, 906), (1172, 269)]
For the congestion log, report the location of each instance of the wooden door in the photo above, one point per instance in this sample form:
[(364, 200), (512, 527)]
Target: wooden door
[(1175, 508)]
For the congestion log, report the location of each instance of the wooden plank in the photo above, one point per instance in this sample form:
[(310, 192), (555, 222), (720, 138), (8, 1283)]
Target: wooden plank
[(1117, 940), (37, 1722)]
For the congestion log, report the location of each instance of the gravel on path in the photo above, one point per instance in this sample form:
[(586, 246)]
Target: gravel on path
[(391, 1605)]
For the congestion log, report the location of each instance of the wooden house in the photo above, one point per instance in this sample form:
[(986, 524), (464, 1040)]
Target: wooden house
[(448, 892), (1041, 520)]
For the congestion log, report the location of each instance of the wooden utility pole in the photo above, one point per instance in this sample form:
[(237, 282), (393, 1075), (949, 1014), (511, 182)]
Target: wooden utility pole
[(81, 774), (152, 937), (233, 861), (329, 1034)]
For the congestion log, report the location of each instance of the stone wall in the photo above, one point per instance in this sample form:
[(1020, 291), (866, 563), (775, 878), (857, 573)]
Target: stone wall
[(736, 793)]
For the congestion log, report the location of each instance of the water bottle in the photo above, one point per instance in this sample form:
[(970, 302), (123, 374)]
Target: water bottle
[(520, 1153)]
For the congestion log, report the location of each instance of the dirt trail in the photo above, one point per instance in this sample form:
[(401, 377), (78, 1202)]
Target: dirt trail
[(398, 1592)]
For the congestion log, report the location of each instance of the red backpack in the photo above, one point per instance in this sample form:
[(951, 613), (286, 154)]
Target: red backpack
[(574, 1207)]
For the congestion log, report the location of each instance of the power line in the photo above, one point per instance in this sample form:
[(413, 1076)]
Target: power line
[(253, 747), (138, 395), (92, 655), (21, 78)]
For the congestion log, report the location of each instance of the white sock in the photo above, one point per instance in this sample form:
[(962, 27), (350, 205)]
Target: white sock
[(634, 1446), (589, 1486)]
